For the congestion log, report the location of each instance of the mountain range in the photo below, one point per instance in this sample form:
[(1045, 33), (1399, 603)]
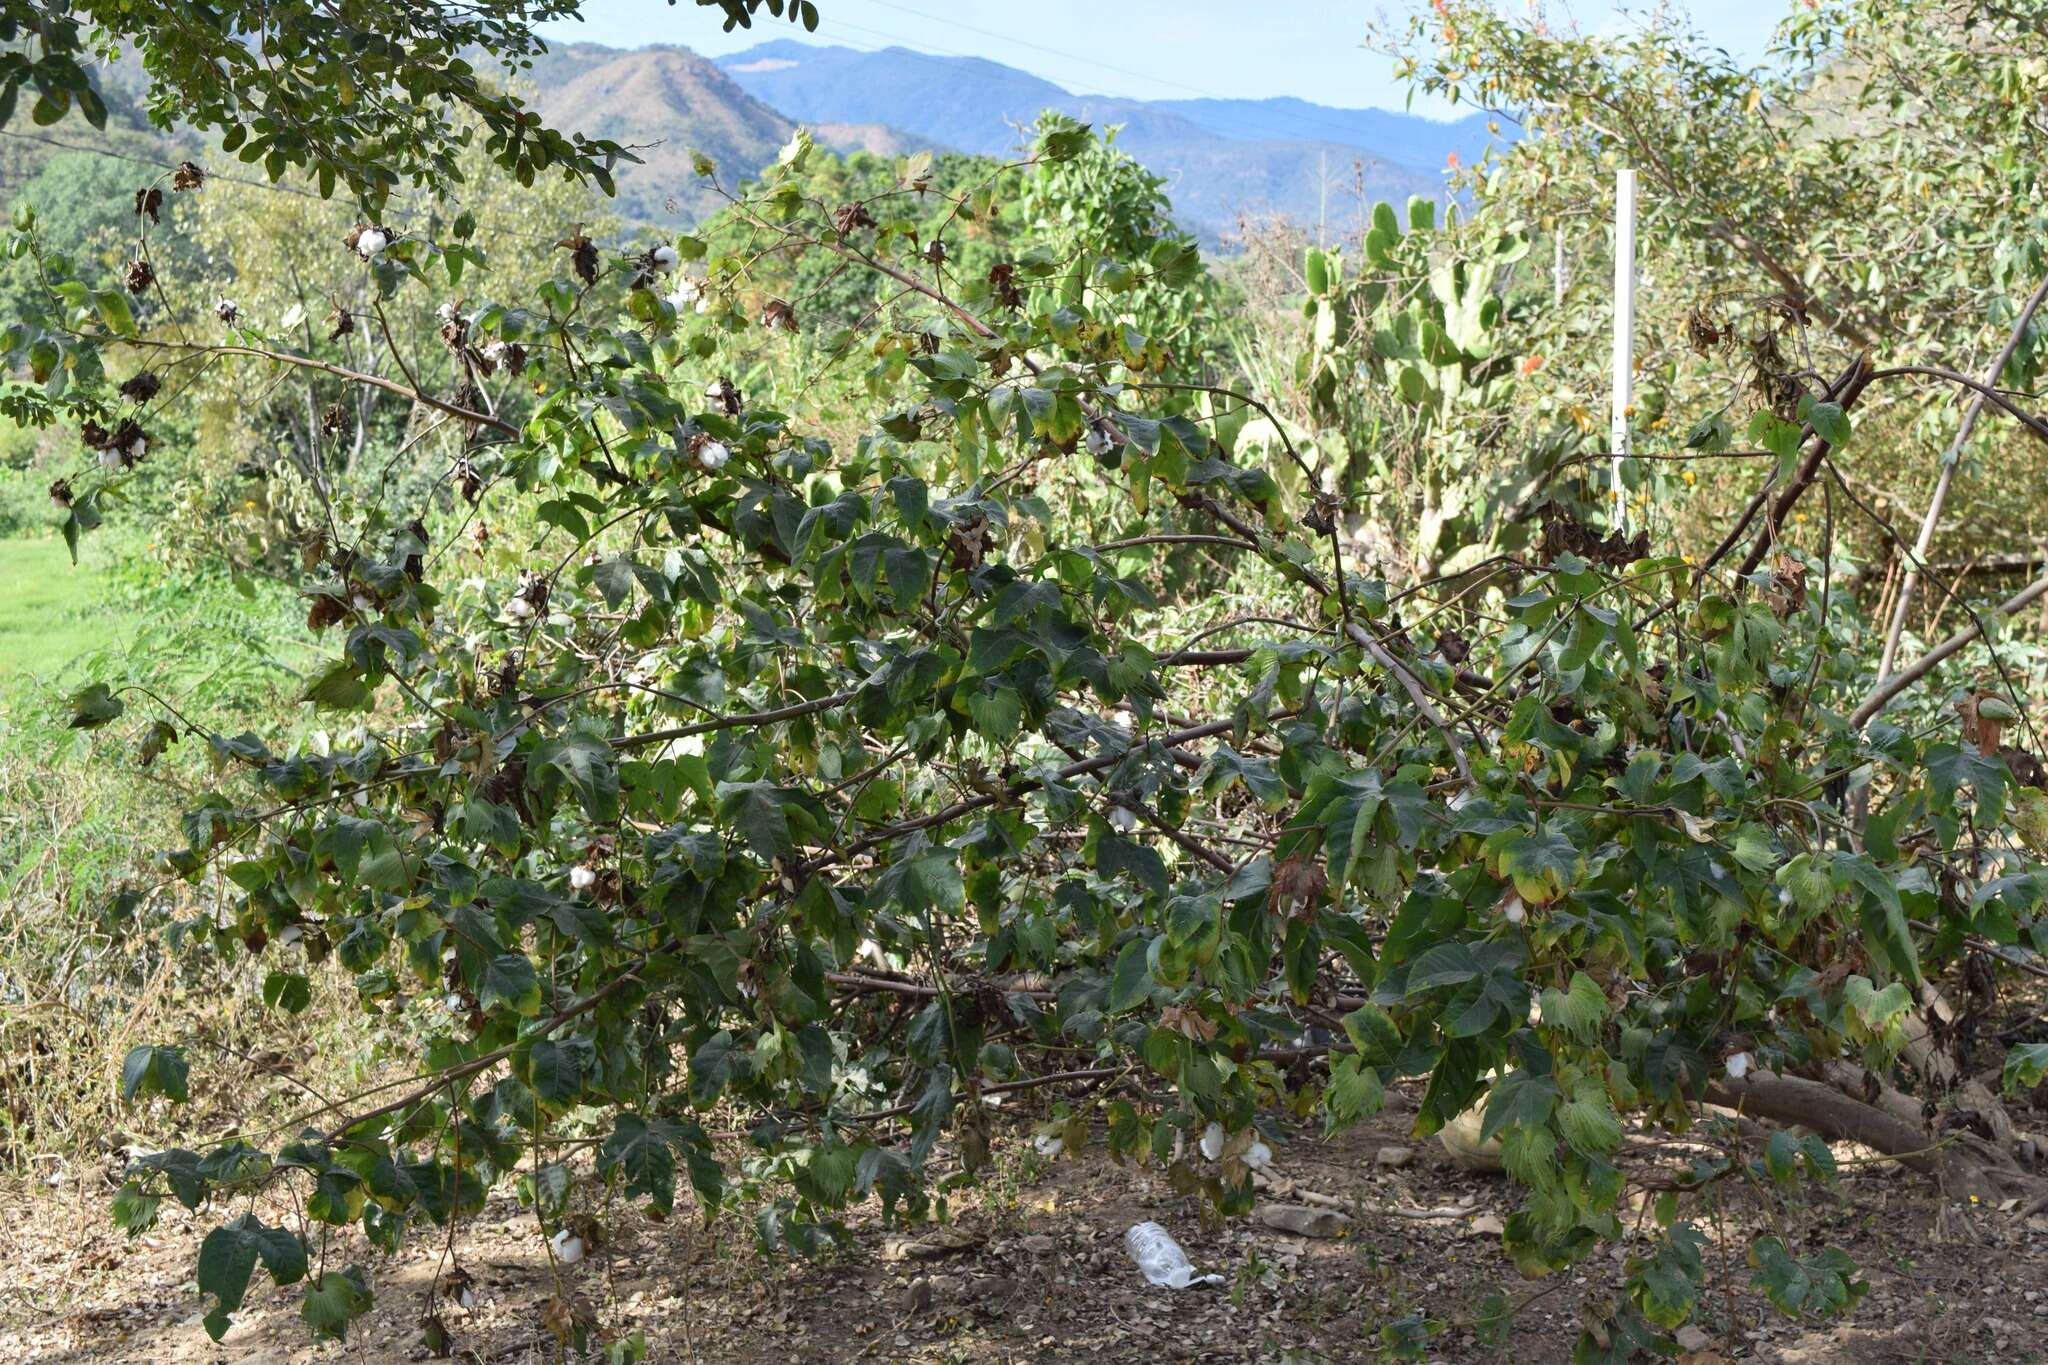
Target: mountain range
[(1222, 159)]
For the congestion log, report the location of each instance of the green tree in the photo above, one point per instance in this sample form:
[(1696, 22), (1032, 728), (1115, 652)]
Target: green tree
[(765, 735)]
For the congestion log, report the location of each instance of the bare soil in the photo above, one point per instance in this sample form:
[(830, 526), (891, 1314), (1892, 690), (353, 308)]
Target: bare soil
[(1032, 1269)]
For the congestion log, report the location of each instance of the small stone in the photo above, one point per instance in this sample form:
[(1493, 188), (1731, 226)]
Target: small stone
[(1038, 1244), (917, 1295), (1485, 1225), (1393, 1157), (1692, 1338), (1303, 1220)]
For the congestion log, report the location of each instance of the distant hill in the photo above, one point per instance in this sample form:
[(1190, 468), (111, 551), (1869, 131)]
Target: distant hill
[(669, 102), (1219, 157)]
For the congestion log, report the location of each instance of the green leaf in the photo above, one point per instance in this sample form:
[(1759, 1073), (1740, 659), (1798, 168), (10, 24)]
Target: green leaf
[(1589, 1123), (94, 706), (509, 981), (555, 1072), (155, 1070), (287, 991), (228, 1257), (1544, 865), (337, 1299), (1519, 1099), (1577, 1010), (2025, 1067), (114, 311), (1825, 1284), (1131, 980)]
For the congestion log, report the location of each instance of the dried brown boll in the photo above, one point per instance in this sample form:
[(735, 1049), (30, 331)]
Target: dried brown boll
[(324, 612), (60, 493), (848, 217), (334, 419), (188, 176), (340, 322), (724, 396), (142, 386), (140, 275), (149, 204), (582, 254), (1002, 279)]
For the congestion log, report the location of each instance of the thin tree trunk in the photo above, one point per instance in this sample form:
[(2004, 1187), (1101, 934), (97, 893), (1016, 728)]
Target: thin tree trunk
[(1949, 461)]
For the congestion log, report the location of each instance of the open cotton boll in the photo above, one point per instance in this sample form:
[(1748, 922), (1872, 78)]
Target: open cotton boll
[(713, 454), (138, 448), (1049, 1144), (1212, 1141), (582, 878), (370, 242), (1123, 820), (1098, 441), (686, 292), (568, 1247), (466, 1297), (1739, 1065), (361, 602), (1258, 1156), (110, 459), (664, 259), (1513, 910), (519, 607)]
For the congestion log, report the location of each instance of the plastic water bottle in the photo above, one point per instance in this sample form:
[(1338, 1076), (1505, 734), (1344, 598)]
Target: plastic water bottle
[(1161, 1258)]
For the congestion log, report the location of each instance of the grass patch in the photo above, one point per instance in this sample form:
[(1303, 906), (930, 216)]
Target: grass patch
[(52, 613)]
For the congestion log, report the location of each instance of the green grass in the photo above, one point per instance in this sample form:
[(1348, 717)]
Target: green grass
[(52, 614)]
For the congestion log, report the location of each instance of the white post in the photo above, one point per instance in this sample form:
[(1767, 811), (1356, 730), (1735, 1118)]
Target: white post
[(1624, 329)]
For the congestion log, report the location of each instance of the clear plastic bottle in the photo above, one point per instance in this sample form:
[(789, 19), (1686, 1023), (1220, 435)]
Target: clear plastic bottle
[(1161, 1258)]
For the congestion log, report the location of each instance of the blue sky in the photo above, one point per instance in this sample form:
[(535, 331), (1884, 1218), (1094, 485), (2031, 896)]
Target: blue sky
[(1147, 49)]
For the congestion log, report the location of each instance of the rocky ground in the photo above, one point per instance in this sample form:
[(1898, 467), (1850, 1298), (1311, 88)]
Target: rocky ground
[(1031, 1268)]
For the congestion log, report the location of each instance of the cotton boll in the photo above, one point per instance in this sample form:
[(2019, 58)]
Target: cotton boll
[(1098, 441), (568, 1247), (289, 935), (466, 1296), (582, 878), (664, 259), (704, 304), (1123, 820), (1258, 1156), (1212, 1141), (686, 292), (371, 242), (447, 312), (1513, 910), (1049, 1144), (110, 460), (713, 454), (138, 448), (363, 603), (1739, 1065), (519, 607)]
